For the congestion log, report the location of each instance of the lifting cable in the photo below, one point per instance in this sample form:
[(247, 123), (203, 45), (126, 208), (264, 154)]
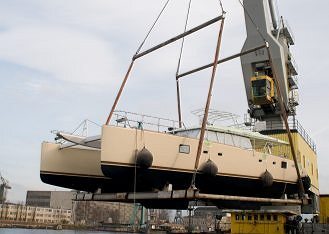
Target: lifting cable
[(205, 116), (253, 22), (282, 105), (132, 63), (152, 27), (221, 6), (142, 132), (178, 67), (183, 39), (179, 62)]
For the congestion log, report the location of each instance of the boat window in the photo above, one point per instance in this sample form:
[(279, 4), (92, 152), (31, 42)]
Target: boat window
[(228, 139), (211, 136), (185, 149), (245, 143), (220, 137), (236, 140), (189, 133), (284, 164)]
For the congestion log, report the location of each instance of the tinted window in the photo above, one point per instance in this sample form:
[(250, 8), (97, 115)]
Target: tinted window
[(284, 164), (211, 136), (259, 88), (228, 139)]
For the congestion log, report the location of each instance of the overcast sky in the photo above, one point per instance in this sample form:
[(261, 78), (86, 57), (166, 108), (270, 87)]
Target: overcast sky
[(62, 61)]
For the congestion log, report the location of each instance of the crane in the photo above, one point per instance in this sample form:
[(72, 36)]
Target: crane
[(4, 186), (258, 68), (270, 82)]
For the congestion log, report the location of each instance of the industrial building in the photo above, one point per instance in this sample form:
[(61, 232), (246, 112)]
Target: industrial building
[(50, 199), (88, 213), (93, 213), (24, 213)]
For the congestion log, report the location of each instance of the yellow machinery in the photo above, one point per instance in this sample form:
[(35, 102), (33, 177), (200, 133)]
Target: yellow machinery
[(260, 221), (324, 208), (262, 90)]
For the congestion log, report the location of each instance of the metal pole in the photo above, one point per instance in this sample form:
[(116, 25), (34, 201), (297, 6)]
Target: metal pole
[(136, 56), (284, 116), (190, 229), (205, 116), (220, 61), (197, 28), (246, 199), (120, 91), (178, 67), (178, 104)]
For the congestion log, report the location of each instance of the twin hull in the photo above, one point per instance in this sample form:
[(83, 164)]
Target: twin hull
[(112, 168)]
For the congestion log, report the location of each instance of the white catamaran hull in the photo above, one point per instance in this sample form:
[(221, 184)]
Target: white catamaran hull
[(75, 167), (239, 169)]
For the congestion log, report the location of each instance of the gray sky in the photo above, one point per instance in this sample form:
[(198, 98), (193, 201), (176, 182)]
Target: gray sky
[(62, 61)]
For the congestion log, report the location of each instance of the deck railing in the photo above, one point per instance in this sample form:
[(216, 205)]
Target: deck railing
[(142, 121), (294, 124)]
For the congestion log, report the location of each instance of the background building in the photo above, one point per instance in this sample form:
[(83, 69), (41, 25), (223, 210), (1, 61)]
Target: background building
[(203, 218), (92, 213), (23, 213), (50, 199), (86, 212)]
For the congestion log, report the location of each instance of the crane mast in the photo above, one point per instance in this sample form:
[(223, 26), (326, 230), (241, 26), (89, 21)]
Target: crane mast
[(4, 186), (262, 27)]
